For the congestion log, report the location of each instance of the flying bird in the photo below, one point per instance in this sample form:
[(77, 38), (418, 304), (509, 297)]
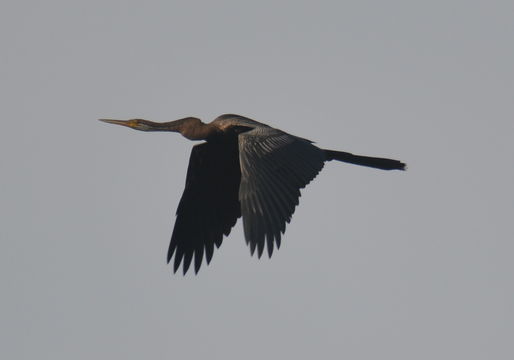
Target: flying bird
[(246, 169)]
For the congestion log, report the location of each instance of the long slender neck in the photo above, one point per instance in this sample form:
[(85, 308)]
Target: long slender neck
[(190, 127)]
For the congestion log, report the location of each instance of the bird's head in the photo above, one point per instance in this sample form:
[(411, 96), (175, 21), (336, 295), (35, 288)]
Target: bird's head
[(190, 127)]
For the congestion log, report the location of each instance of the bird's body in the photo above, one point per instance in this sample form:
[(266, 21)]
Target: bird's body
[(244, 168)]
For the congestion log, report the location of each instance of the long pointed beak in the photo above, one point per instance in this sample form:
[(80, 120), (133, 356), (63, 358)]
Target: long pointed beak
[(145, 125), (127, 123)]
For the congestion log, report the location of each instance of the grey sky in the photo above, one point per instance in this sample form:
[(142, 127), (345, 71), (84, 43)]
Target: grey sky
[(414, 265)]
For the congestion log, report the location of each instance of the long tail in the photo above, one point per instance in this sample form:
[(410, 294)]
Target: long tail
[(375, 162)]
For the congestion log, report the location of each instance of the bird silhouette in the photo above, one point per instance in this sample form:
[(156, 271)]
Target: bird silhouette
[(243, 169)]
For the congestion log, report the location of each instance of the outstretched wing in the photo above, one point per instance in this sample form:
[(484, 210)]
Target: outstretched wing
[(209, 206), (274, 167)]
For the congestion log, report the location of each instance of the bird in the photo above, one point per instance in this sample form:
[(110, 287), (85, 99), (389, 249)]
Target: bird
[(243, 168)]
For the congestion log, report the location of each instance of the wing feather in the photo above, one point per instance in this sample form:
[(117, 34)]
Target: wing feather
[(209, 206), (274, 167)]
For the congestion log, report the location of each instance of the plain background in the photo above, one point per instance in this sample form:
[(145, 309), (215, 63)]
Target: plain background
[(389, 265)]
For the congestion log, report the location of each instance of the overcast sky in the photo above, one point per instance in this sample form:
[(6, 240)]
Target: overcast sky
[(389, 265)]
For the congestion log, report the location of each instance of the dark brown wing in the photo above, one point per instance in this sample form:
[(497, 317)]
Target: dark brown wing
[(274, 167), (209, 206)]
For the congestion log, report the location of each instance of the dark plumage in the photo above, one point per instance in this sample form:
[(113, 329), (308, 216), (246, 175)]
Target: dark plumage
[(244, 168)]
